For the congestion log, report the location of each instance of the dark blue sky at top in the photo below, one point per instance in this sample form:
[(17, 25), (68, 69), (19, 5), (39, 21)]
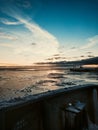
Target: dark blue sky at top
[(65, 19), (68, 27), (70, 18)]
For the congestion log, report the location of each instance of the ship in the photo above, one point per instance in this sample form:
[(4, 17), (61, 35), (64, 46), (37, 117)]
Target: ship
[(72, 108)]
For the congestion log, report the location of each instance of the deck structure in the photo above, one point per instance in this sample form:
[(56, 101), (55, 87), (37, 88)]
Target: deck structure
[(44, 111)]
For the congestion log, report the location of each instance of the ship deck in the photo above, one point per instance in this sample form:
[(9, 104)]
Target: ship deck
[(43, 111)]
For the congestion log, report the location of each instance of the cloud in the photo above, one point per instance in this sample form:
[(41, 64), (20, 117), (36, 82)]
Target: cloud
[(6, 45), (38, 33), (34, 45), (89, 47), (1, 28), (82, 56), (91, 42), (73, 48), (25, 4), (56, 57), (46, 45), (7, 36), (7, 22), (89, 52), (90, 56)]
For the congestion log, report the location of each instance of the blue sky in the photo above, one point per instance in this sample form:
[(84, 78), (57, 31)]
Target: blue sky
[(48, 30)]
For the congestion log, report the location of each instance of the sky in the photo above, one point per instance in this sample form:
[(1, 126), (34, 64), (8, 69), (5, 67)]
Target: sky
[(47, 30)]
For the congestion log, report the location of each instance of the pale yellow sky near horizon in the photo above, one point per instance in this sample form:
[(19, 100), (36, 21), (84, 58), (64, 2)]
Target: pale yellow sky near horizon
[(24, 41)]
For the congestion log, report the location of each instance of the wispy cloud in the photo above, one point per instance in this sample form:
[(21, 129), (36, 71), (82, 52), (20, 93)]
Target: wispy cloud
[(7, 36), (90, 56), (37, 45), (88, 46), (24, 4), (73, 48), (89, 52), (91, 42), (7, 22), (33, 44), (8, 45), (46, 43)]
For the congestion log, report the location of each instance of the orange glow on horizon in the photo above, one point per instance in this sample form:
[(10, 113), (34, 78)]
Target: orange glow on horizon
[(91, 66)]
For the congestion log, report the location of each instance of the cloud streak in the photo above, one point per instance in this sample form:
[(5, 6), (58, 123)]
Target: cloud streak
[(35, 44), (7, 22), (91, 42), (7, 36), (46, 44), (89, 45), (25, 4), (6, 45)]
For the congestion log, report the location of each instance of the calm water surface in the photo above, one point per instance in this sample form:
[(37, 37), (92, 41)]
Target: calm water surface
[(17, 84)]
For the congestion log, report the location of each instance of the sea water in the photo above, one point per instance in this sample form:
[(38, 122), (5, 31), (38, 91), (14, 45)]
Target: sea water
[(21, 83)]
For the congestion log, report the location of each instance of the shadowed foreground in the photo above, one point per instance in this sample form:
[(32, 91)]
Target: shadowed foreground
[(44, 111)]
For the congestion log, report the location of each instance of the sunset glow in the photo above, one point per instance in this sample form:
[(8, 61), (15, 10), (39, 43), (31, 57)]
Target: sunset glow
[(91, 66), (47, 30)]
